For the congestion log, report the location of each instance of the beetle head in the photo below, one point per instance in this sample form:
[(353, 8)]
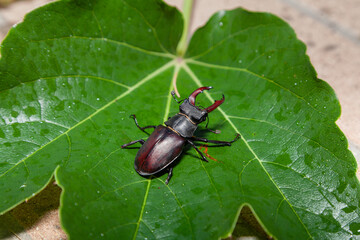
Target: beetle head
[(196, 114)]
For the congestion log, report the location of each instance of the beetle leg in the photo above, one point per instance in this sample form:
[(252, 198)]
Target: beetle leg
[(202, 155), (220, 143), (210, 130), (133, 142), (213, 131), (141, 128), (169, 176)]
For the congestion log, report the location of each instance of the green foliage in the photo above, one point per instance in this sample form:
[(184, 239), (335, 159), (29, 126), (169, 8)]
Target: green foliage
[(72, 73)]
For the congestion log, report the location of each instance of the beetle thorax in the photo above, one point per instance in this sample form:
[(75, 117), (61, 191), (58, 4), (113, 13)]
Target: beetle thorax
[(185, 122), (196, 114)]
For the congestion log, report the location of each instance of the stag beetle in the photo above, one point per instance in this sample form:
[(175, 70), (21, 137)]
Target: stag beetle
[(166, 143)]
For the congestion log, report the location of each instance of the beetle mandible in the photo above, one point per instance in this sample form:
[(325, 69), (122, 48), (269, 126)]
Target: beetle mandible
[(166, 143)]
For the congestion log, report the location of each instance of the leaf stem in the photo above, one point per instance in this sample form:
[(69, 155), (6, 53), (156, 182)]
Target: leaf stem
[(182, 46), (176, 72)]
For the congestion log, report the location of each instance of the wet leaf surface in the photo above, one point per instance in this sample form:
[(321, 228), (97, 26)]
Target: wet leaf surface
[(74, 71)]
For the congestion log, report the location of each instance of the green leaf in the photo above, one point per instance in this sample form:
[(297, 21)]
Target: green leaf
[(72, 73)]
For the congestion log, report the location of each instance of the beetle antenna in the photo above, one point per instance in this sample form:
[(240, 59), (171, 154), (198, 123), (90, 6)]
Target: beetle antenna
[(173, 94)]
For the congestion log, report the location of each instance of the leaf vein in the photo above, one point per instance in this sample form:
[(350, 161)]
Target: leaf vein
[(142, 208), (147, 23), (69, 149), (98, 23), (133, 47), (209, 65), (227, 38), (241, 172), (82, 76), (306, 177), (287, 130), (199, 84), (134, 87), (212, 184), (102, 160), (180, 205)]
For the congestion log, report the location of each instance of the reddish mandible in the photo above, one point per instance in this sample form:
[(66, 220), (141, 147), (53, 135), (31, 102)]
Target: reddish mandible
[(166, 143)]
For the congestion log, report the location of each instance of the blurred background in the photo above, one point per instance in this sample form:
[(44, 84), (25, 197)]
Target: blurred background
[(329, 28)]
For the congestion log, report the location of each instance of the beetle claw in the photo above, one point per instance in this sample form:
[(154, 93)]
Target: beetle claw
[(192, 96), (215, 104)]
